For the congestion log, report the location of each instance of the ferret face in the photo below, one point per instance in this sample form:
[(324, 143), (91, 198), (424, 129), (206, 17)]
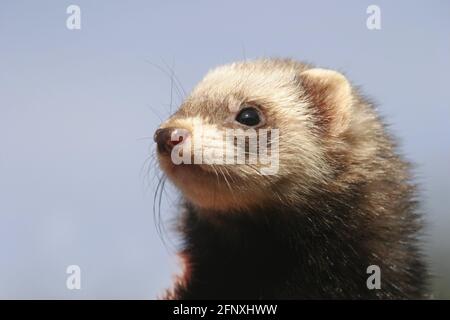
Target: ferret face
[(252, 133)]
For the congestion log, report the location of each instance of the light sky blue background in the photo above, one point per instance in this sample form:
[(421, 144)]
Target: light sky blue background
[(75, 105)]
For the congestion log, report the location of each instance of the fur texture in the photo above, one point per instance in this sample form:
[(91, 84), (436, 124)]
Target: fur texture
[(342, 198)]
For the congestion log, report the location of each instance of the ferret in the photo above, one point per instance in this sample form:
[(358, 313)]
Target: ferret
[(340, 201)]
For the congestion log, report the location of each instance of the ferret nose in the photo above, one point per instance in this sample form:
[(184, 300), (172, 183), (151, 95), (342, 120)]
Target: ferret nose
[(163, 138)]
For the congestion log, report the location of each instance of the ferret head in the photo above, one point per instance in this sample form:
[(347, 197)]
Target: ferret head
[(292, 118)]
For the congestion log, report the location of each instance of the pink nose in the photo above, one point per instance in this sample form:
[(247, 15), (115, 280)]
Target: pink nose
[(163, 138)]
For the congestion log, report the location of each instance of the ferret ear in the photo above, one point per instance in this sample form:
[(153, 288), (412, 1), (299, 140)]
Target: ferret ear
[(330, 94)]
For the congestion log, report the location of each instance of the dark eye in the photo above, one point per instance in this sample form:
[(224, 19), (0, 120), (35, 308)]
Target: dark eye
[(248, 116)]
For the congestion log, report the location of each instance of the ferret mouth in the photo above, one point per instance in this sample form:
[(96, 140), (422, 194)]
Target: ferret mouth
[(199, 171), (213, 187)]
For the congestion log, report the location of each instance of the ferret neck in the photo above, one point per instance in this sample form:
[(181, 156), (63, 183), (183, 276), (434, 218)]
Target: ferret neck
[(271, 253)]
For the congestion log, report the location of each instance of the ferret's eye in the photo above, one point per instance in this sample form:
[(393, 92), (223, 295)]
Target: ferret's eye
[(248, 116)]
